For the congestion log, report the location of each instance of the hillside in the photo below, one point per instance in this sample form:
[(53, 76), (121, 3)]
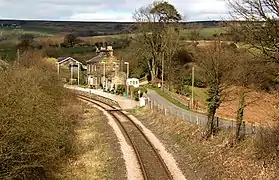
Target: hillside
[(82, 28)]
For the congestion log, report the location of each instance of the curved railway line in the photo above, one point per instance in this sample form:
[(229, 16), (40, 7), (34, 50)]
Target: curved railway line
[(150, 161)]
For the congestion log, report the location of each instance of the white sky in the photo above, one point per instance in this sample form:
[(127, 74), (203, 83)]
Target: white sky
[(105, 10)]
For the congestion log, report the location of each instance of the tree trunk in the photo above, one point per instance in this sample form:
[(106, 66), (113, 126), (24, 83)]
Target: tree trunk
[(152, 70), (240, 124), (211, 122), (213, 105), (157, 72), (152, 74)]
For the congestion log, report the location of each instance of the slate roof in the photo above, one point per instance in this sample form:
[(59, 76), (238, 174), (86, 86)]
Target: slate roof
[(96, 58), (61, 59)]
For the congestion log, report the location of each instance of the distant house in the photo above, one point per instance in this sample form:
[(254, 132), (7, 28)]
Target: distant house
[(69, 62), (72, 65), (104, 70), (133, 82)]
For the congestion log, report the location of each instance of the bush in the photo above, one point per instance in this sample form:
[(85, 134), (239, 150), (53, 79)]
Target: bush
[(120, 89), (52, 52), (135, 91), (197, 83), (267, 145), (36, 121)]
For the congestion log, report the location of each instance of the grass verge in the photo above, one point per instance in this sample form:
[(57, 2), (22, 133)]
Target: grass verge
[(168, 97), (215, 158), (97, 152)]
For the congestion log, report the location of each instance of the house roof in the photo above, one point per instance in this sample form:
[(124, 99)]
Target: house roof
[(61, 60), (96, 58)]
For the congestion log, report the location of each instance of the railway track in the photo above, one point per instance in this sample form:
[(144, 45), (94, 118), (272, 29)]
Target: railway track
[(150, 161)]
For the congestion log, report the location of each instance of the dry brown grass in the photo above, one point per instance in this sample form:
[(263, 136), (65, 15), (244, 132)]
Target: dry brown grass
[(97, 155), (37, 120), (214, 158), (58, 39), (261, 108)]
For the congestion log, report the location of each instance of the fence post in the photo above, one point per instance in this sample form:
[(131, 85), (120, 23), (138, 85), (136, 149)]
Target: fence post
[(165, 111), (197, 120)]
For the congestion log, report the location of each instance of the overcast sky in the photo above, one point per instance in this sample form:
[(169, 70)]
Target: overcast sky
[(105, 10)]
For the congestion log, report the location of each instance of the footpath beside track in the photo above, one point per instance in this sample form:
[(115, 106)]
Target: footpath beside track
[(150, 161)]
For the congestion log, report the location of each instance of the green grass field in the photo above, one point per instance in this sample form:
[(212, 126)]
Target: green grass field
[(168, 97), (199, 94), (205, 33), (42, 29), (19, 32)]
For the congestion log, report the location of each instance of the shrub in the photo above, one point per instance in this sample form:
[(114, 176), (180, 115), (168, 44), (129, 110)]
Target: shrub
[(36, 121), (120, 89), (52, 52), (267, 145), (135, 91)]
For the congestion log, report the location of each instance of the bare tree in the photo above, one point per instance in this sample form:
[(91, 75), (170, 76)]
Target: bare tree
[(260, 27), (178, 67), (195, 32), (70, 40), (216, 63), (172, 42), (250, 74), (151, 25)]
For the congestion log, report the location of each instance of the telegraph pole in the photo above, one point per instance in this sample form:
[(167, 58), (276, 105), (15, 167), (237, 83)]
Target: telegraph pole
[(162, 86), (193, 82)]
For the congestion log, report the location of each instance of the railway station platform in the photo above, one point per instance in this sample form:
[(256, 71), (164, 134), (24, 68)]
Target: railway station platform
[(122, 101)]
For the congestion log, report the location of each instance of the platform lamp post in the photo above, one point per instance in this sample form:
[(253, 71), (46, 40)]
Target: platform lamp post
[(115, 75), (104, 73), (127, 86)]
